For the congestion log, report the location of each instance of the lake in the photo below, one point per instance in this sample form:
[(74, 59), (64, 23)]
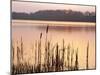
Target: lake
[(75, 34)]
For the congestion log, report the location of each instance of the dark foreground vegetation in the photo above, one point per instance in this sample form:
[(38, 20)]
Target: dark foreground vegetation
[(57, 15), (56, 57)]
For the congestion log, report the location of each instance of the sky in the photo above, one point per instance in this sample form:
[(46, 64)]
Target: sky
[(31, 7)]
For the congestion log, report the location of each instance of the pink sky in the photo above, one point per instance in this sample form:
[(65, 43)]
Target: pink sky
[(33, 7)]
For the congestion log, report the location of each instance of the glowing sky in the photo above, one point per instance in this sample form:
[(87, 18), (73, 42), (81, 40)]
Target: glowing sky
[(18, 6)]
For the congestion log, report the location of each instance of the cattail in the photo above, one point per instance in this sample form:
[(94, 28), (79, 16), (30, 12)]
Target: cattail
[(21, 49), (59, 60), (57, 63), (39, 53), (38, 57), (48, 58), (40, 49), (35, 54), (63, 55), (46, 50), (76, 62), (47, 29), (40, 35), (87, 55), (68, 54)]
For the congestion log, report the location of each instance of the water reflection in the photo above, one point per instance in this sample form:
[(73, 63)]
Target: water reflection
[(53, 48)]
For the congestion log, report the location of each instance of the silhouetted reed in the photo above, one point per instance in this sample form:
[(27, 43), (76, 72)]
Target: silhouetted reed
[(21, 45), (63, 54), (76, 61), (13, 53), (87, 56), (55, 57), (68, 56), (72, 53)]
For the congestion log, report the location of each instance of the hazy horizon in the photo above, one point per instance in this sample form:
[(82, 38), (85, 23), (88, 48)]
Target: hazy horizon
[(31, 7)]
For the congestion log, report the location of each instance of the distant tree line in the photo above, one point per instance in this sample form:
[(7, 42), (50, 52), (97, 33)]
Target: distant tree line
[(57, 15)]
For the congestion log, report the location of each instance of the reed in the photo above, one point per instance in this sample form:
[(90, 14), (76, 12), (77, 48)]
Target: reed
[(87, 56), (72, 53), (35, 53), (18, 55), (63, 54), (68, 56), (76, 60), (13, 53), (55, 57), (21, 45), (12, 57)]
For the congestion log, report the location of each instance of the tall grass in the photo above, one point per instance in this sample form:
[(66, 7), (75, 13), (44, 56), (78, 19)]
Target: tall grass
[(76, 61), (72, 53), (87, 56), (55, 57), (63, 54), (68, 57)]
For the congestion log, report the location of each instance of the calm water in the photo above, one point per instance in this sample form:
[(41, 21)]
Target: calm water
[(77, 35)]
